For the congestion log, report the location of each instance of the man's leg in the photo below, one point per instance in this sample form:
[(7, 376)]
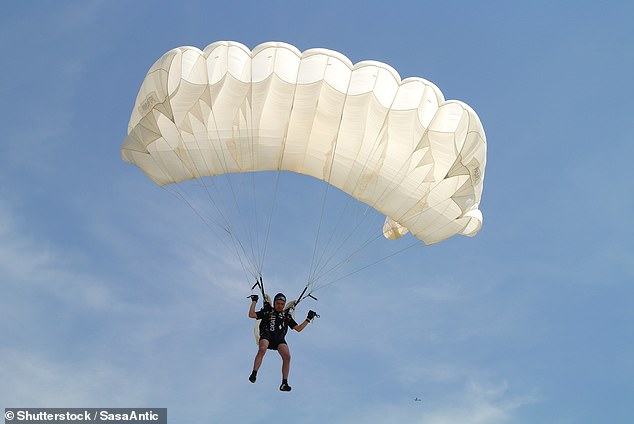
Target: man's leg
[(285, 353), (264, 345)]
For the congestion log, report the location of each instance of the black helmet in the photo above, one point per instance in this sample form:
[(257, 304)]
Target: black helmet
[(280, 296)]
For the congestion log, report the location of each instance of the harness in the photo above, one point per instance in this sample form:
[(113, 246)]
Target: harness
[(287, 313)]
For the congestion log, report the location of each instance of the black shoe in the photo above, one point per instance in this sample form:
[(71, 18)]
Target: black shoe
[(253, 376), (285, 387)]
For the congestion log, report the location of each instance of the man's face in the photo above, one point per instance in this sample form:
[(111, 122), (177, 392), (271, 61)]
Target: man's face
[(279, 305)]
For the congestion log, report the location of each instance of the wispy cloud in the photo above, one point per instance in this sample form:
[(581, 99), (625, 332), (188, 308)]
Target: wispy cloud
[(480, 403), (35, 379), (29, 264), (102, 340)]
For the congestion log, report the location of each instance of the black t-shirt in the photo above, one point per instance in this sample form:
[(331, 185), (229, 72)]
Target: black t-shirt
[(275, 324)]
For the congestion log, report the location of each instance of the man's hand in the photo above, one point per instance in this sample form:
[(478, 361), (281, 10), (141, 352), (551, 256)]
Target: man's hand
[(254, 297), (311, 315), (267, 307)]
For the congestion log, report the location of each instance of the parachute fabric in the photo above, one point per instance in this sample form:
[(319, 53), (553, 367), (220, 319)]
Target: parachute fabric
[(393, 144)]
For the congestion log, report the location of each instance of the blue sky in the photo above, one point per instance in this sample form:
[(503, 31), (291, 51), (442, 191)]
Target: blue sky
[(114, 294)]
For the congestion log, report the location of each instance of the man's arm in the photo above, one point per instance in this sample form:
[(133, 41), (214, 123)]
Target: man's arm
[(303, 325), (300, 327), (254, 301)]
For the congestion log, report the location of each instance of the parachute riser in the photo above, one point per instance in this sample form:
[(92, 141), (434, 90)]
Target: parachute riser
[(259, 283), (303, 296)]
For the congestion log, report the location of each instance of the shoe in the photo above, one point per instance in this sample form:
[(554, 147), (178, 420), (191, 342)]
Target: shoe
[(253, 377), (285, 387)]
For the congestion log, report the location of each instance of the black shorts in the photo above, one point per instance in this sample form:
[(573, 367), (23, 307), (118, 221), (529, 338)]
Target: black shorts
[(273, 343)]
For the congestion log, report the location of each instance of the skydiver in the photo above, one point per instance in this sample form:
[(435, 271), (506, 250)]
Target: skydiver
[(274, 324)]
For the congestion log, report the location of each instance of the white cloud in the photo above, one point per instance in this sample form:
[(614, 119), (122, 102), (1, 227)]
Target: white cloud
[(35, 379), (28, 263), (480, 403), (73, 337), (477, 403)]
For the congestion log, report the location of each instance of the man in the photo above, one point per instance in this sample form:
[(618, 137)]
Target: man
[(274, 324)]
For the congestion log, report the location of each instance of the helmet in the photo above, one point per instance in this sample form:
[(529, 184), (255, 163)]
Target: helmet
[(280, 296)]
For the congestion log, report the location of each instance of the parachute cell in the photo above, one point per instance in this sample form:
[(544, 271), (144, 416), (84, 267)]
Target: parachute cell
[(393, 144), (393, 230)]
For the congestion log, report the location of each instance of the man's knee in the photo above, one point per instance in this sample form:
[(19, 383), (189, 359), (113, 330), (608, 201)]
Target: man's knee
[(284, 352), (263, 346)]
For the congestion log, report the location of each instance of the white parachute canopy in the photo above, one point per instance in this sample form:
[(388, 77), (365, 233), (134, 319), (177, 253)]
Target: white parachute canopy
[(393, 144)]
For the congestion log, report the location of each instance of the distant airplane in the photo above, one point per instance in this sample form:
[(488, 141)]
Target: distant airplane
[(417, 399)]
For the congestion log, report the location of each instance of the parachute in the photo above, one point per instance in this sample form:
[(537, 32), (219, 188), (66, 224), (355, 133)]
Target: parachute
[(394, 144)]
